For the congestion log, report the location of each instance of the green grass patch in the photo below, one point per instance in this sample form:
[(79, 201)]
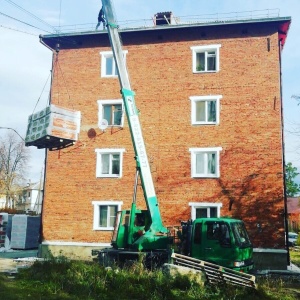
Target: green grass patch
[(60, 278), (295, 257)]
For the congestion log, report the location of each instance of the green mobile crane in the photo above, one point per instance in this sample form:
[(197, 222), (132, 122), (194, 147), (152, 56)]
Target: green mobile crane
[(138, 232)]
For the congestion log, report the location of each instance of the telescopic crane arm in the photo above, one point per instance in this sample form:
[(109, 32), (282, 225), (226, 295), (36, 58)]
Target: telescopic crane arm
[(142, 163)]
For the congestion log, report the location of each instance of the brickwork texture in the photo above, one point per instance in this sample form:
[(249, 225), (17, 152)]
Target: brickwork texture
[(159, 63)]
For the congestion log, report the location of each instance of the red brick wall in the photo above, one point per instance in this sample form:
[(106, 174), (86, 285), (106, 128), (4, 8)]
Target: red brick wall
[(160, 66)]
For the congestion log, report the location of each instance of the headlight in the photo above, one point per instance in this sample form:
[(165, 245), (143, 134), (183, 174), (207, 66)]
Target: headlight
[(239, 264)]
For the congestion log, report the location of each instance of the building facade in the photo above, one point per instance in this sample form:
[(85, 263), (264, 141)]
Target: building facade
[(209, 96)]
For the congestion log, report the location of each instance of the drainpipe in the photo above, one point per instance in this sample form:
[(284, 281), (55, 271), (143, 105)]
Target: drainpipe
[(286, 225)]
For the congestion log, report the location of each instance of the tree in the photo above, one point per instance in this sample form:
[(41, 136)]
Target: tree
[(292, 188), (13, 163)]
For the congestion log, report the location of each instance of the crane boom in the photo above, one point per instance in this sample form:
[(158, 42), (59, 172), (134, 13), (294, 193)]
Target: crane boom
[(142, 231), (142, 163)]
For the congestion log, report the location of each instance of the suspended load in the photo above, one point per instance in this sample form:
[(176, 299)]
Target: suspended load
[(53, 128)]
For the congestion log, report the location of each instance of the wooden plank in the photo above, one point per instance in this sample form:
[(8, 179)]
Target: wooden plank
[(215, 273)]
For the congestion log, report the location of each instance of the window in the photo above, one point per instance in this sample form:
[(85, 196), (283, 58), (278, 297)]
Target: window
[(205, 109), (198, 232), (206, 58), (205, 210), (108, 65), (205, 162), (111, 111), (105, 213), (109, 162), (218, 231)]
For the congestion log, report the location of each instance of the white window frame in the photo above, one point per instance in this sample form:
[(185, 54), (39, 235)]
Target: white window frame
[(96, 219), (194, 152), (207, 205), (205, 49), (101, 103), (195, 99), (99, 153), (104, 56)]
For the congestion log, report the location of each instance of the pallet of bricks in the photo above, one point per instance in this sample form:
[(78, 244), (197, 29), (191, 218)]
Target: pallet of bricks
[(3, 225), (53, 127), (25, 232), (5, 230)]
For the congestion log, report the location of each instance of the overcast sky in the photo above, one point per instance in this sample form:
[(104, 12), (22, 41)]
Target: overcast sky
[(25, 64)]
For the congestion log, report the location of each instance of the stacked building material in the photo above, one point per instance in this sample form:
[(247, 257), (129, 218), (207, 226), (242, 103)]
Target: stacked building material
[(3, 225), (25, 232), (53, 127), (5, 230)]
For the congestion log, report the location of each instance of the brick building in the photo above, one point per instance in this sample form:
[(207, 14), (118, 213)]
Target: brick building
[(209, 96)]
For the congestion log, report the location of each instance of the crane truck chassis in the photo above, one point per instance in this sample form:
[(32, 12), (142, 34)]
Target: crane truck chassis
[(141, 233)]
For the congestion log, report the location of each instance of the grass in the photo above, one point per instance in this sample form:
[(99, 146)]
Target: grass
[(60, 278), (295, 257)]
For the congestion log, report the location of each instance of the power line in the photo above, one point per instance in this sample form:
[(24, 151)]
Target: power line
[(18, 30), (31, 14), (23, 22)]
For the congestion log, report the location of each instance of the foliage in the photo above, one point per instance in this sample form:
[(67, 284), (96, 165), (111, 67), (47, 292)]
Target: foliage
[(292, 188), (13, 163), (60, 278), (295, 257)]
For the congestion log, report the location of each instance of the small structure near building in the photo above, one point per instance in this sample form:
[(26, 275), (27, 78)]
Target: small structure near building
[(293, 209), (165, 18), (53, 127)]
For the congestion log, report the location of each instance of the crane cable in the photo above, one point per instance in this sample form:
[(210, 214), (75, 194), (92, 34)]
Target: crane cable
[(41, 93)]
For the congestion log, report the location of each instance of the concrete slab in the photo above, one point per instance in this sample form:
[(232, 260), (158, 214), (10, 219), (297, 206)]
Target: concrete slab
[(19, 253)]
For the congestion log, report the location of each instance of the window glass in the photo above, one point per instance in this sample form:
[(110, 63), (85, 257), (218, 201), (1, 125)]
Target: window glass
[(107, 115), (109, 162), (197, 233), (205, 58), (205, 209), (109, 65), (213, 230), (105, 163), (112, 113), (200, 163), (213, 212), (200, 111), (115, 163), (205, 109), (211, 111), (211, 163), (200, 61), (117, 114), (201, 213), (240, 234), (205, 162), (103, 216), (112, 215), (211, 61)]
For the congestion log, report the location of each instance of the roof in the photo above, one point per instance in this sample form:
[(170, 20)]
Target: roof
[(34, 186), (71, 38)]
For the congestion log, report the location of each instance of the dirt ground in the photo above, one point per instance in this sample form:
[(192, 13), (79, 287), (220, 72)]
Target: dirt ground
[(7, 264)]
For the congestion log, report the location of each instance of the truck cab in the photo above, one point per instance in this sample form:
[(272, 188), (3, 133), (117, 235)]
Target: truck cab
[(222, 241)]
